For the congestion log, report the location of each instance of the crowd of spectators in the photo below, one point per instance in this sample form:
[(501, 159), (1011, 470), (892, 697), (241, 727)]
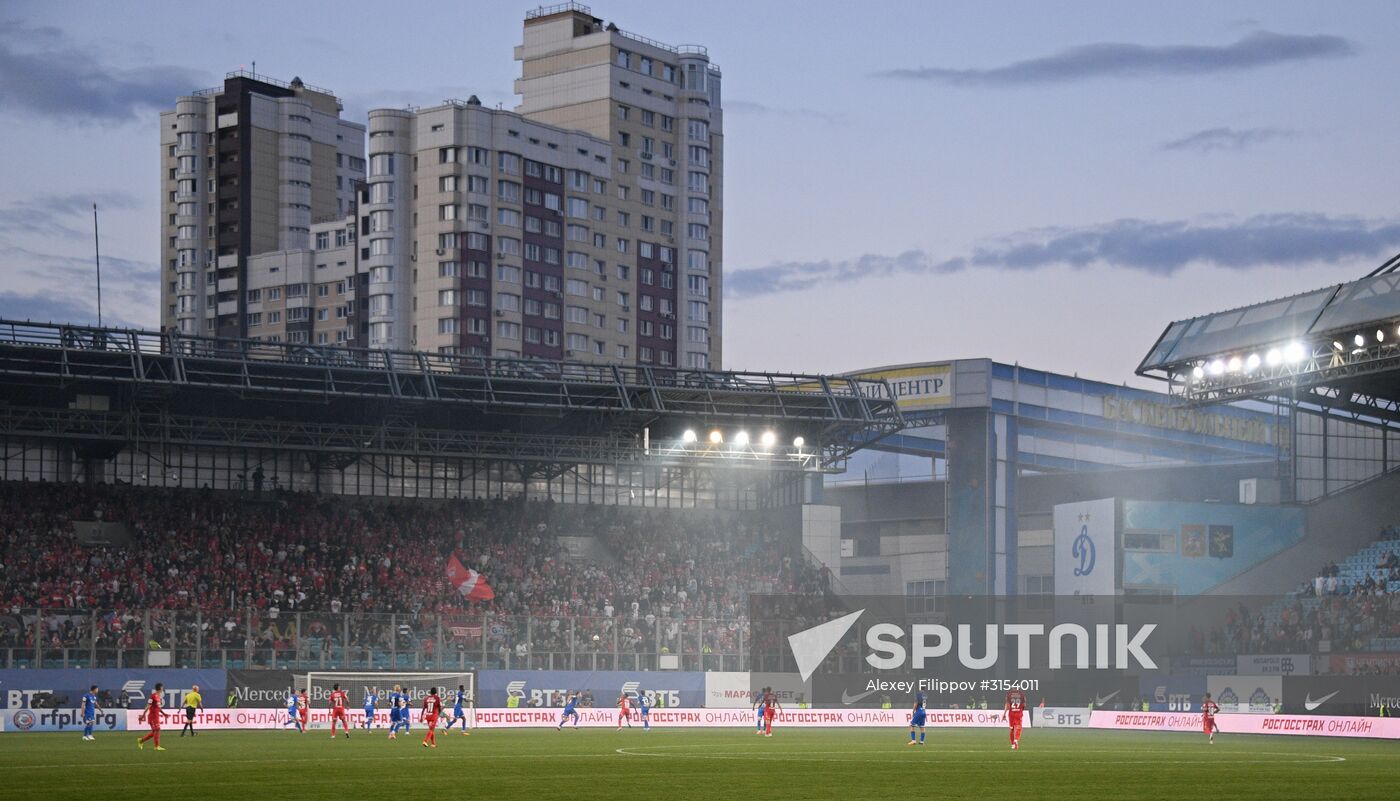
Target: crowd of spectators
[(1381, 578), (1335, 613), (224, 569)]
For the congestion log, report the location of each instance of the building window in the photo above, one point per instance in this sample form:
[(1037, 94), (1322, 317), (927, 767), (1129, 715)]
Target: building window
[(381, 164)]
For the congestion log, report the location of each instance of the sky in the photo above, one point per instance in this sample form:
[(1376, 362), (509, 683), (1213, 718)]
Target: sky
[(1047, 184)]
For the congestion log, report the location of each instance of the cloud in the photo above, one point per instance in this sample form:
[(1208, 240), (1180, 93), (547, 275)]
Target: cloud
[(53, 287), (1211, 139), (49, 308), (60, 215), (43, 73), (1156, 248), (748, 107), (1116, 60)]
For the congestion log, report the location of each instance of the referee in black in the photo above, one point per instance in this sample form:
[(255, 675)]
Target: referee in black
[(193, 703)]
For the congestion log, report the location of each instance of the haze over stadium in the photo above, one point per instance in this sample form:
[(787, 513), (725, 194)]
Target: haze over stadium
[(407, 444)]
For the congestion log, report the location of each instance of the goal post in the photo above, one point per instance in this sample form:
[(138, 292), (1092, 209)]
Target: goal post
[(359, 686)]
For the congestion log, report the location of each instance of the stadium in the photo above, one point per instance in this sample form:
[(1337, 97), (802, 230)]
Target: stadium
[(522, 575)]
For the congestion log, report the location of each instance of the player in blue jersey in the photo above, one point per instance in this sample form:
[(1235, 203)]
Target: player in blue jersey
[(90, 710), (395, 711), (371, 703), (293, 716), (644, 704), (405, 711), (458, 699), (758, 706), (917, 718), (569, 711)]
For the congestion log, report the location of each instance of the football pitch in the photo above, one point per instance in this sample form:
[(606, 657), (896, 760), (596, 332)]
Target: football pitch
[(679, 764)]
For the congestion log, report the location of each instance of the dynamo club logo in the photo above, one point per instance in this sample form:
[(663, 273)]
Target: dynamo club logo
[(1083, 549)]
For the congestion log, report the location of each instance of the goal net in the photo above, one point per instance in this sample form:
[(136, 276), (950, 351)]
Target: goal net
[(359, 687)]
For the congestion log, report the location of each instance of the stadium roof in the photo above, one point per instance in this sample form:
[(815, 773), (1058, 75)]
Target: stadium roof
[(264, 394), (1338, 346)]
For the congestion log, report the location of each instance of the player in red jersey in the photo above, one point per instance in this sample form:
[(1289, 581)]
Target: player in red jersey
[(624, 711), (432, 707), (1015, 707), (151, 716), (338, 702), (303, 710), (771, 707), (1208, 710)]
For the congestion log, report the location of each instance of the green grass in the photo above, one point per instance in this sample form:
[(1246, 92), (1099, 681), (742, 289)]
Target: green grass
[(677, 764)]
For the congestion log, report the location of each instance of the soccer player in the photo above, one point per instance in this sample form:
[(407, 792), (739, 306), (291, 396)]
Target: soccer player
[(570, 702), (194, 703), (151, 717), (338, 702), (917, 718), (405, 711), (771, 707), (1015, 707), (303, 710), (458, 698), (371, 701), (644, 704), (432, 707), (394, 712), (1208, 710), (758, 708), (624, 711), (90, 710), (292, 718)]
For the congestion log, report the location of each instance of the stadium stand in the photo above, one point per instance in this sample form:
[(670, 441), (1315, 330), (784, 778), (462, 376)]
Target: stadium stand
[(286, 577)]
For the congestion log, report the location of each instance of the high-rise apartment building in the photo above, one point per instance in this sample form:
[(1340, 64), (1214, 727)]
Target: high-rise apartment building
[(586, 225), (246, 168), (660, 107)]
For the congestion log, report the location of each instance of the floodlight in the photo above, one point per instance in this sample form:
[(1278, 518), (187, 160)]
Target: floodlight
[(1252, 363), (741, 439), (1234, 364), (689, 435), (1273, 357), (1359, 340), (768, 439), (1217, 367), (1294, 352), (716, 437), (1198, 372), (798, 442)]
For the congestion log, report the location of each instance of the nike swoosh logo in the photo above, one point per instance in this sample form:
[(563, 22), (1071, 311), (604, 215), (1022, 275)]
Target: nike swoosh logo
[(851, 699), (1309, 704), (1100, 701)]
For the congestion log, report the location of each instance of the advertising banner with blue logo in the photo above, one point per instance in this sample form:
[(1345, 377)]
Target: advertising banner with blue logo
[(1246, 693), (547, 688), (1085, 561), (51, 700), (1173, 693)]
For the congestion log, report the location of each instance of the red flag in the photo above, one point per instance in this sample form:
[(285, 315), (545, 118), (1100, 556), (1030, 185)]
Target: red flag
[(471, 584)]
